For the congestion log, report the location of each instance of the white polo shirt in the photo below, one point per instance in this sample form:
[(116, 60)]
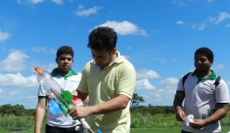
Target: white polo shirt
[(68, 82), (201, 96)]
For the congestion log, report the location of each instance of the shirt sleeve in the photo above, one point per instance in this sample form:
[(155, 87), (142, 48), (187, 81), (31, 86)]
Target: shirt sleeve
[(222, 93), (126, 80), (41, 91), (83, 87), (180, 86)]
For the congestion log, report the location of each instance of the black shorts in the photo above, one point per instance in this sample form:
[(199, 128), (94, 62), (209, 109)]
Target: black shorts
[(51, 129), (182, 131)]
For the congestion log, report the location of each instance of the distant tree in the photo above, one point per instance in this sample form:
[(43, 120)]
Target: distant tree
[(150, 105), (6, 109), (136, 100), (16, 110)]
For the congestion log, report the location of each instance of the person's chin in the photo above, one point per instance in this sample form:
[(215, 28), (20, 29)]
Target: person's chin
[(66, 68)]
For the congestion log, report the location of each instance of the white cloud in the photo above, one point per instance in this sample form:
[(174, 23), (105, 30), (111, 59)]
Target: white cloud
[(30, 1), (219, 67), (227, 25), (81, 11), (147, 74), (144, 84), (178, 3), (42, 50), (163, 61), (227, 81), (36, 1), (180, 22), (209, 1), (17, 81), (58, 1), (220, 18), (212, 20), (169, 82), (30, 97), (13, 93), (49, 67), (200, 26), (160, 96), (8, 94), (15, 62), (125, 28), (4, 36)]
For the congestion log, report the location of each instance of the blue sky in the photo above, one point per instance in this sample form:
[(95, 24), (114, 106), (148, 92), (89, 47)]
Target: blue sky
[(158, 36)]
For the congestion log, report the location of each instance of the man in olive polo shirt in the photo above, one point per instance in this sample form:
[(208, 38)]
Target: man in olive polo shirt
[(109, 80)]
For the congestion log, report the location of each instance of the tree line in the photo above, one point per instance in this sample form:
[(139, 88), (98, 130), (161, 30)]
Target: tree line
[(17, 110), (20, 110)]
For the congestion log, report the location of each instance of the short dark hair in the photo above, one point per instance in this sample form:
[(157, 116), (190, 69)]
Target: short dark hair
[(206, 51), (102, 38), (65, 50)]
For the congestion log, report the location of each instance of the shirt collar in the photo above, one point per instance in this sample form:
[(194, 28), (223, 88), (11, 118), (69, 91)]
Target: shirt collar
[(119, 59), (211, 76), (71, 72)]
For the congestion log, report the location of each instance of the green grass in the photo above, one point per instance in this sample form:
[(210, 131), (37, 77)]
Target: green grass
[(133, 130), (158, 121), (225, 129), (156, 130), (141, 123)]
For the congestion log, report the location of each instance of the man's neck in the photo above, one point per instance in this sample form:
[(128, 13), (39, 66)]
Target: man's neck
[(202, 74)]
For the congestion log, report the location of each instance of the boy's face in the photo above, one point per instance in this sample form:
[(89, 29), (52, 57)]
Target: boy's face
[(202, 63), (64, 62)]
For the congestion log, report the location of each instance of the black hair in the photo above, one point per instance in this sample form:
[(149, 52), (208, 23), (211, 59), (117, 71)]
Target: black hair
[(102, 38), (206, 51), (65, 50)]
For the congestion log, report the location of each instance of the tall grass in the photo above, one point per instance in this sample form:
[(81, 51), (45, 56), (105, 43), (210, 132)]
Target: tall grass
[(158, 121), (19, 124), (16, 123), (141, 123)]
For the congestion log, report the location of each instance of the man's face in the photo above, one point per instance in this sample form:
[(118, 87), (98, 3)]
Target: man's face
[(102, 58), (202, 63), (64, 62)]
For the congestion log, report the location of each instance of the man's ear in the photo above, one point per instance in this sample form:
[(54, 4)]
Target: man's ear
[(56, 60), (114, 51)]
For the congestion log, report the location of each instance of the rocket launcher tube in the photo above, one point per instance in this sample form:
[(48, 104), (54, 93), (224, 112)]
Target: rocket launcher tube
[(63, 97)]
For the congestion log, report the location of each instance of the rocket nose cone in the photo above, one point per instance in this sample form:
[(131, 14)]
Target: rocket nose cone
[(38, 70)]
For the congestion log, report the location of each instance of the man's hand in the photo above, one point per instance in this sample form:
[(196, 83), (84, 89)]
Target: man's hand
[(79, 112), (50, 96), (197, 123), (180, 115)]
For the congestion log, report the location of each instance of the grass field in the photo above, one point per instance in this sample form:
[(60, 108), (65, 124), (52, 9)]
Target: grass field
[(225, 129), (160, 123), (134, 130)]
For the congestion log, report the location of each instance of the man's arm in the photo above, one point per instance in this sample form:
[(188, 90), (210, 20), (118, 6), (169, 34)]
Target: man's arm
[(82, 95), (177, 104), (221, 112), (117, 103), (40, 113)]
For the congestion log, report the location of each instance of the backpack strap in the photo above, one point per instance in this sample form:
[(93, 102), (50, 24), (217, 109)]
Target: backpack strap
[(185, 77), (217, 81)]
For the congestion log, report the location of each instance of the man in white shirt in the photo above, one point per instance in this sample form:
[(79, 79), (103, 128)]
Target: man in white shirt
[(68, 80), (205, 96)]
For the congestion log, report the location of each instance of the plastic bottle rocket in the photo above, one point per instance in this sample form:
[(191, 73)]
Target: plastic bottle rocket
[(64, 98), (45, 80)]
